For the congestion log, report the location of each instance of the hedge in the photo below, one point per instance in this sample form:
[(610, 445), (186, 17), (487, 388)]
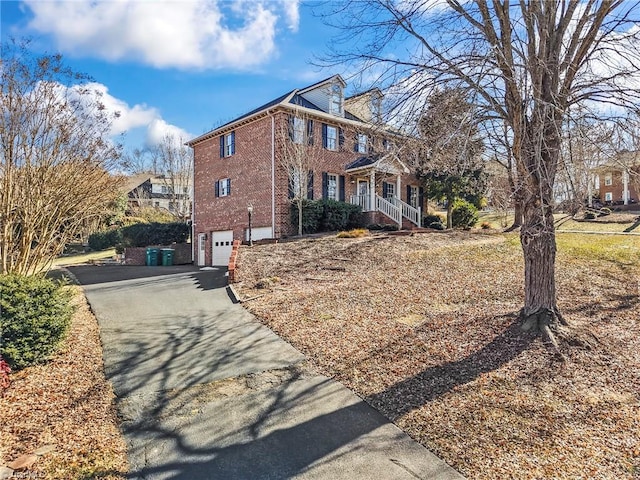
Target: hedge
[(327, 216)]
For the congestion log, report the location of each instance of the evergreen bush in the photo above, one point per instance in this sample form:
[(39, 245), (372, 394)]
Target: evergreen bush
[(35, 314), (464, 214)]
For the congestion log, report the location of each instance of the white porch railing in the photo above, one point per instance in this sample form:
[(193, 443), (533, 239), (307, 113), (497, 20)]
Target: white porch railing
[(364, 201), (389, 209), (392, 207), (410, 213)]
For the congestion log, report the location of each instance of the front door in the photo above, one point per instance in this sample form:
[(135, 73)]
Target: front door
[(363, 194)]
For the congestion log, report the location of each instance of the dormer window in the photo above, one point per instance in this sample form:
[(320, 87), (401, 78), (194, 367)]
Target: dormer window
[(335, 99)]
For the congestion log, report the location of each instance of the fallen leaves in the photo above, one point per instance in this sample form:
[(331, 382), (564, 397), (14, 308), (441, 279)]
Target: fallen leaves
[(422, 328)]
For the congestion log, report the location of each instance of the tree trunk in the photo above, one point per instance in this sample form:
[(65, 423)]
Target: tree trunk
[(300, 203), (518, 216), (449, 211)]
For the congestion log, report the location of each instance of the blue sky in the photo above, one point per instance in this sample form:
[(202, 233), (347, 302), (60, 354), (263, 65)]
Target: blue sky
[(180, 66)]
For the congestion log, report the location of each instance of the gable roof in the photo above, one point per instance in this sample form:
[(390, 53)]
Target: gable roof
[(293, 97)]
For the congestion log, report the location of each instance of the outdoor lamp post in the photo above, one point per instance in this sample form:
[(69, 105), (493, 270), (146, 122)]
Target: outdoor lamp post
[(250, 212)]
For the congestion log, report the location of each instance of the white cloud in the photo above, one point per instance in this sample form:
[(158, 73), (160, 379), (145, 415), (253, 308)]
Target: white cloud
[(158, 129), (203, 34), (125, 117)]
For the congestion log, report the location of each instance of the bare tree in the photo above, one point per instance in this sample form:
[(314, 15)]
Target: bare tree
[(299, 155), (54, 164), (528, 62), (175, 162)]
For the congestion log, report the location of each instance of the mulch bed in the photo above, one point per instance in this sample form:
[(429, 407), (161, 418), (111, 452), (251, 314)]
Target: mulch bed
[(424, 329), (64, 412)]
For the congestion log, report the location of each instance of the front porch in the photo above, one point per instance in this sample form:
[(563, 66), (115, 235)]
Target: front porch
[(377, 186)]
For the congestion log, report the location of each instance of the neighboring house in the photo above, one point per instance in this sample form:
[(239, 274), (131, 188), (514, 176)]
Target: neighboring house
[(618, 181), (158, 191), (239, 165)]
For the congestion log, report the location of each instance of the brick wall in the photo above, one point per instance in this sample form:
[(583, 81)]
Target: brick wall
[(616, 187), (138, 255)]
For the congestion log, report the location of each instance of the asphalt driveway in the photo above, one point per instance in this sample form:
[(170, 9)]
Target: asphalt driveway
[(207, 392)]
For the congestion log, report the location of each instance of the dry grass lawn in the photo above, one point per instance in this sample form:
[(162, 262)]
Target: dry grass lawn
[(65, 411), (423, 328)]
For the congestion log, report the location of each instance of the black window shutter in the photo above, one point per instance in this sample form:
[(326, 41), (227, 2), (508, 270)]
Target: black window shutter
[(324, 135), (292, 194), (309, 132), (233, 142), (310, 185), (325, 186), (409, 194), (340, 137), (222, 146), (342, 192), (385, 190), (228, 186), (217, 188), (421, 197), (355, 143)]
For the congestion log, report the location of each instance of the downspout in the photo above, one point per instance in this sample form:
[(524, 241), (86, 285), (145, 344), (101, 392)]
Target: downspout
[(273, 174)]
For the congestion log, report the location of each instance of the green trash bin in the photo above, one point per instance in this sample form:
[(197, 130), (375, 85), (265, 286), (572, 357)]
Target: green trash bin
[(167, 256), (152, 257)]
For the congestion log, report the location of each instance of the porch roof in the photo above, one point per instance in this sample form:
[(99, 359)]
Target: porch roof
[(389, 163)]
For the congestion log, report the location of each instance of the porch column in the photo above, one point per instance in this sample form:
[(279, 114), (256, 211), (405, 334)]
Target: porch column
[(398, 193), (372, 191), (589, 190), (625, 187)]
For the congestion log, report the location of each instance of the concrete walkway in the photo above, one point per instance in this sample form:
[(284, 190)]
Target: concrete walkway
[(207, 392)]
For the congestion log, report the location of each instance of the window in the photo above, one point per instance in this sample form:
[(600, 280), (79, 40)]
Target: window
[(361, 143), (388, 190), (387, 145), (164, 189), (335, 99), (332, 186), (376, 108), (295, 184), (608, 197), (331, 138), (228, 144), (608, 180), (297, 130), (413, 196), (223, 187)]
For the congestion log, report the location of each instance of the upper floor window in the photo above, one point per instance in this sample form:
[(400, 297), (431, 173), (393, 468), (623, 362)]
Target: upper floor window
[(361, 143), (376, 108), (223, 187), (228, 144), (608, 179), (297, 130), (331, 138), (335, 99)]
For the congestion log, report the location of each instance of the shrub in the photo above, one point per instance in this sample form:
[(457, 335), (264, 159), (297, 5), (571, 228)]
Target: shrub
[(311, 216), (5, 370), (105, 239), (36, 314), (437, 225), (327, 216), (464, 214), (485, 225), (355, 233), (589, 215), (431, 218), (385, 227), (145, 234)]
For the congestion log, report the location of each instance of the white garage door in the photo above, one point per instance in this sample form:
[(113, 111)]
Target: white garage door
[(221, 245)]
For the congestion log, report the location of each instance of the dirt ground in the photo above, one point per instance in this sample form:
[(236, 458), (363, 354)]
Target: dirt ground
[(424, 328)]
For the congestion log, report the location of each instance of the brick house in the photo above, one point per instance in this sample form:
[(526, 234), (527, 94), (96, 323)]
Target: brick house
[(618, 181), (239, 164)]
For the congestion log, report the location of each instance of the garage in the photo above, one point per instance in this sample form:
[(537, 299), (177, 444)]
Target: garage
[(221, 246)]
